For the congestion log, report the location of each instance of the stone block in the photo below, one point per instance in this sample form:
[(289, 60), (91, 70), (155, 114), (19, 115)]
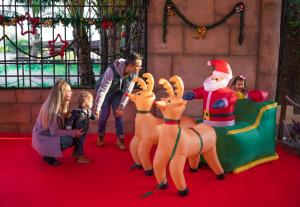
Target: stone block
[(243, 65), (197, 12), (192, 69), (16, 113), (35, 110), (26, 128), (215, 42), (249, 46), (174, 40), (9, 128), (252, 12), (8, 96), (45, 93), (29, 96), (159, 66)]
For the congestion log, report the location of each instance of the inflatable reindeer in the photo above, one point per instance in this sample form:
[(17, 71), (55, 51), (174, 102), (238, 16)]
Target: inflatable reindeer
[(177, 144), (147, 127)]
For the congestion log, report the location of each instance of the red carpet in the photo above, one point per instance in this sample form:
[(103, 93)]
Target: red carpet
[(26, 181)]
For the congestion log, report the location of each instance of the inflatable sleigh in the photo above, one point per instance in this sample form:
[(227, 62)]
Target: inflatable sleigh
[(251, 141)]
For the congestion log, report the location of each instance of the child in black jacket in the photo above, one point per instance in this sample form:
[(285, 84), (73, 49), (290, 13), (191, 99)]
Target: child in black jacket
[(79, 119)]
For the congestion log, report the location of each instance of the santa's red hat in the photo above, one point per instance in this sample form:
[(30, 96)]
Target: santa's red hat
[(221, 68)]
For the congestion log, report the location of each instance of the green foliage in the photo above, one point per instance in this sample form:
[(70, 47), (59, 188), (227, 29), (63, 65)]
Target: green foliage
[(9, 48), (289, 73), (293, 14)]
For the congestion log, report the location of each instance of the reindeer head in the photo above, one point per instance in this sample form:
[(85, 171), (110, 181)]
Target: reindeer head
[(172, 106), (144, 98)]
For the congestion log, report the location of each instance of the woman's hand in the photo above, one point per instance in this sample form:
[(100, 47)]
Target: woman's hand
[(78, 133)]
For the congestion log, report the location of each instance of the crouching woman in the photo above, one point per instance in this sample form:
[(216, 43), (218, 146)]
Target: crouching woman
[(49, 138)]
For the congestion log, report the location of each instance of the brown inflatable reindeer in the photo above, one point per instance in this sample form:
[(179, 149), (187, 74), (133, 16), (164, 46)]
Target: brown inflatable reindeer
[(147, 127), (177, 144)]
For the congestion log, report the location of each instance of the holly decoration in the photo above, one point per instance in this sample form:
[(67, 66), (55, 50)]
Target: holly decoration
[(170, 10), (33, 21), (123, 34), (48, 23), (62, 49), (201, 31), (106, 24), (240, 7), (1, 20)]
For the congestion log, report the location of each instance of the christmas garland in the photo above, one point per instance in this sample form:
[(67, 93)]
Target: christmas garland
[(53, 53), (63, 48), (104, 23), (171, 9)]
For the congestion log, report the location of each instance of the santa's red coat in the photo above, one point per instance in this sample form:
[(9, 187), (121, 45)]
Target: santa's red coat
[(220, 116)]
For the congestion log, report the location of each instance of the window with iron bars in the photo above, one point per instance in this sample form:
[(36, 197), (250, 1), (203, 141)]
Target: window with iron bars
[(42, 41)]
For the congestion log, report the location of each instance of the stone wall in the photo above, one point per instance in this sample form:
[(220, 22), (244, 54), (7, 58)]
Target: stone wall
[(183, 55)]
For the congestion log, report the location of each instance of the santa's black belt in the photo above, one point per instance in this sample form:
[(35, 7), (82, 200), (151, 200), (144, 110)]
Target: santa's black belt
[(218, 115)]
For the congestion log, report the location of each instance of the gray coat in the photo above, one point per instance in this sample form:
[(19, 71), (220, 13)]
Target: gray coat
[(107, 81), (47, 142)]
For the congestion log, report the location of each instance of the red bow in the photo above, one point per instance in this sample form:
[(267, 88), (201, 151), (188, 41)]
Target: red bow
[(106, 24)]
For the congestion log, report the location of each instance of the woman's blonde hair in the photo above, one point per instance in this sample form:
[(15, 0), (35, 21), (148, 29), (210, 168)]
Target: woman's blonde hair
[(54, 104)]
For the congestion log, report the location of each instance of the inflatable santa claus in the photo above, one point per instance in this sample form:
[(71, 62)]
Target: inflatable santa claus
[(218, 99)]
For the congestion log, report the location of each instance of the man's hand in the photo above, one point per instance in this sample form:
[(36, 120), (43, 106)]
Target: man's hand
[(78, 133), (119, 112), (97, 114)]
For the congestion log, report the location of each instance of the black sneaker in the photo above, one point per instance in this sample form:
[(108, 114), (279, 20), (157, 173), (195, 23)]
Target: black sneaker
[(51, 161)]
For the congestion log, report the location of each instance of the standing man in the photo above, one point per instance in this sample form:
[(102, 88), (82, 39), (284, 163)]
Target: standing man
[(111, 87)]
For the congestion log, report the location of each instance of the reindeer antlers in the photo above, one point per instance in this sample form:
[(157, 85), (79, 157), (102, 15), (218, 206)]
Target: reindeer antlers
[(149, 84), (145, 86), (149, 81), (167, 86), (178, 85), (141, 83)]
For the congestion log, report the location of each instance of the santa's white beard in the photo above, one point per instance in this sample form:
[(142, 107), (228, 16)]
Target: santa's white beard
[(213, 85)]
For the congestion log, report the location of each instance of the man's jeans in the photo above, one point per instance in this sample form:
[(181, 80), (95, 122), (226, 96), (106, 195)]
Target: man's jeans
[(114, 102)]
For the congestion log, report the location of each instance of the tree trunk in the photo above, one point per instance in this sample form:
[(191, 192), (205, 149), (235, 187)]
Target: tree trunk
[(83, 51), (103, 50)]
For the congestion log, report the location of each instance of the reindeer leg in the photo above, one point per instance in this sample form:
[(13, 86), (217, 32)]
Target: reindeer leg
[(144, 150), (176, 171), (134, 151), (160, 163), (194, 163), (213, 162)]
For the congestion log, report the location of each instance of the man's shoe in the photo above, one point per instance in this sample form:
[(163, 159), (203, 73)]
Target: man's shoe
[(82, 159), (100, 141), (51, 161), (120, 144)]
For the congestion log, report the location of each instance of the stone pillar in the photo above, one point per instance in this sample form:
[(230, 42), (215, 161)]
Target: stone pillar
[(269, 43)]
